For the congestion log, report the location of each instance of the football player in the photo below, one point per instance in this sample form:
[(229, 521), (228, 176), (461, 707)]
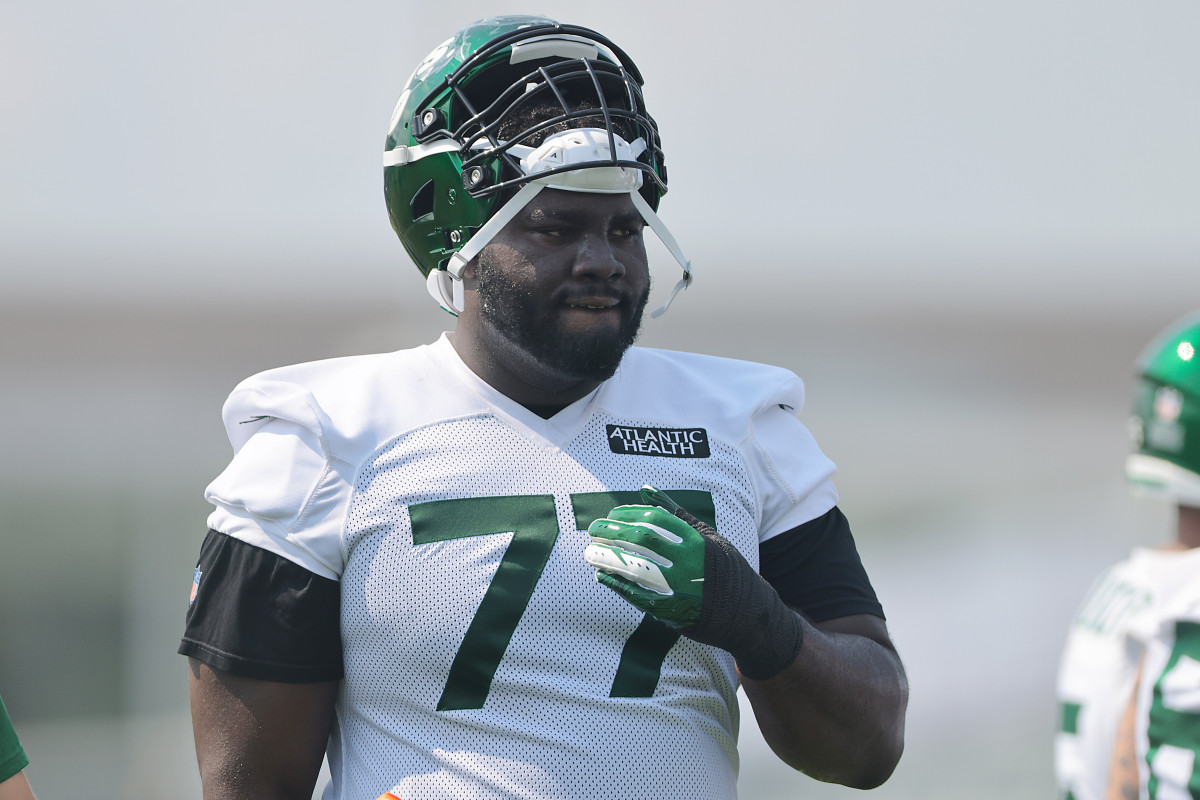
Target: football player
[(1142, 615), (529, 560)]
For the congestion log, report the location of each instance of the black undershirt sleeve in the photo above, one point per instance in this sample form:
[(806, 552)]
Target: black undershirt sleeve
[(816, 569), (259, 615)]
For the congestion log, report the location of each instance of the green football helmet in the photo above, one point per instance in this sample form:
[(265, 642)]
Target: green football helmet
[(1165, 426), (502, 109)]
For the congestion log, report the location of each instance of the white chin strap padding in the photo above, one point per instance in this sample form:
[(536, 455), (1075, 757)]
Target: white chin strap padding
[(445, 290), (588, 147)]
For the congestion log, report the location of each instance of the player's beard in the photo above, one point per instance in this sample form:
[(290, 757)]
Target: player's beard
[(563, 358)]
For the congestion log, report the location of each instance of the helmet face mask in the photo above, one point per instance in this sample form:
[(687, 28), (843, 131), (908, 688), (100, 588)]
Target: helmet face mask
[(561, 96), (1165, 426), (480, 106)]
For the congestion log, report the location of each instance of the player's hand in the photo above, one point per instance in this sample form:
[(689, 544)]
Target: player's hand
[(679, 570), (652, 558)]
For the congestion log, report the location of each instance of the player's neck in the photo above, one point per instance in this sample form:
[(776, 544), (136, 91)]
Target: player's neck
[(521, 382), (1189, 526)]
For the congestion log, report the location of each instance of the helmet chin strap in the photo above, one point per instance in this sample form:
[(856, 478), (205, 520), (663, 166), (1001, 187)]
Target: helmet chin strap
[(589, 148), (446, 284), (660, 230)]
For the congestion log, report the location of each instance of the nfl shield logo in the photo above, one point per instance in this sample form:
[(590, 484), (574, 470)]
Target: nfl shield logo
[(1168, 403), (195, 585)]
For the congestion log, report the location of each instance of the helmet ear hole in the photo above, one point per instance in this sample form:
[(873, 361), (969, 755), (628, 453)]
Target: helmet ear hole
[(422, 202)]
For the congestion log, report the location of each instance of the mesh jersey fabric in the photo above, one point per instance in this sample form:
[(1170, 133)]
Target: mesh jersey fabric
[(1104, 647), (482, 660)]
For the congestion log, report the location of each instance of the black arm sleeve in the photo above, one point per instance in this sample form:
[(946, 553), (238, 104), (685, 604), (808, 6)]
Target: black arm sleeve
[(816, 569), (259, 615)]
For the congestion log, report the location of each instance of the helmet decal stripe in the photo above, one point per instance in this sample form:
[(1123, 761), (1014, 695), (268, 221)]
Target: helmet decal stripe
[(553, 46), (402, 154)]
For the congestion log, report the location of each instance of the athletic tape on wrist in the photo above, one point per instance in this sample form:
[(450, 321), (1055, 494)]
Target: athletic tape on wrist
[(742, 613)]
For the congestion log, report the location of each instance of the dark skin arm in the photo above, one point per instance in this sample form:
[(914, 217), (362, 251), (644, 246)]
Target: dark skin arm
[(837, 713), (258, 739)]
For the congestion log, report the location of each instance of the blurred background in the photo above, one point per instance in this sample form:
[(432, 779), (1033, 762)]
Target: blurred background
[(958, 222)]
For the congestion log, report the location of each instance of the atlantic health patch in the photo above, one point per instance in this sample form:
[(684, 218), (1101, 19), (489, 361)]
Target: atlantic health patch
[(666, 442)]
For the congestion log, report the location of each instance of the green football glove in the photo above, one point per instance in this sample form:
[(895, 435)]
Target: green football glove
[(652, 558), (682, 572)]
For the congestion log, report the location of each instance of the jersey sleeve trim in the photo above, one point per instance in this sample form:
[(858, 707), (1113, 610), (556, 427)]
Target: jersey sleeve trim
[(12, 755), (16, 762)]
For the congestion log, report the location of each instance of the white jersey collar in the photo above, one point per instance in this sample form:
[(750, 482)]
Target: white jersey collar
[(557, 431)]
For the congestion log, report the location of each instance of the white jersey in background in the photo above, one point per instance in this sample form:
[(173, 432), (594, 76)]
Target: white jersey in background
[(1168, 705), (1104, 649)]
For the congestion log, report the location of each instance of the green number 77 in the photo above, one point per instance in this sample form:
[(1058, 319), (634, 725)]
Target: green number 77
[(533, 522)]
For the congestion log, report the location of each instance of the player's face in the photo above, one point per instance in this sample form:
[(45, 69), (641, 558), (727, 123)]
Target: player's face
[(566, 282)]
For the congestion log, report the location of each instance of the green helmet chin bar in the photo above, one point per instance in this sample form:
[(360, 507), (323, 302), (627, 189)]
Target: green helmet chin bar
[(1165, 426), (452, 183)]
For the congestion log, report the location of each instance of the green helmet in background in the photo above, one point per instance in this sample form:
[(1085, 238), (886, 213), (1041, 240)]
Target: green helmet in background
[(503, 108), (1165, 427)]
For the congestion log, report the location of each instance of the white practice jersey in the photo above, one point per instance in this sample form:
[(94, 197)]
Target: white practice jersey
[(1168, 706), (1104, 649), (482, 659)]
